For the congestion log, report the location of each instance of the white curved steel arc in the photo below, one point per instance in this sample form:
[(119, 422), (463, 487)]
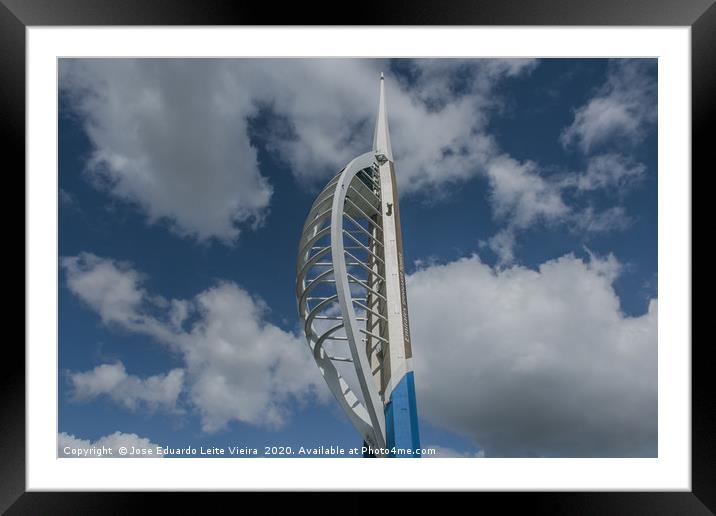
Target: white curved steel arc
[(371, 396), (308, 325), (348, 401), (342, 392), (325, 219), (306, 246), (318, 346), (311, 262), (320, 217)]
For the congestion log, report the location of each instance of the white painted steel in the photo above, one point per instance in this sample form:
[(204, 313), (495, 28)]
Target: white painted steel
[(398, 361), (343, 206)]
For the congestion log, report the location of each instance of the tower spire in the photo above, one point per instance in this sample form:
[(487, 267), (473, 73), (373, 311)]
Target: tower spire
[(381, 136)]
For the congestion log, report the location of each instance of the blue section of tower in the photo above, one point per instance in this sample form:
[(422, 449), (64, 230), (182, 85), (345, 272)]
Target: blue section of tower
[(401, 419)]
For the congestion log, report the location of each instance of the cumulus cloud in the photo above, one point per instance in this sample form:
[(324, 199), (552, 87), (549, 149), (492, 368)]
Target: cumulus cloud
[(535, 362), (622, 108), (242, 367), (70, 446), (237, 366), (154, 392), (173, 136), (170, 136)]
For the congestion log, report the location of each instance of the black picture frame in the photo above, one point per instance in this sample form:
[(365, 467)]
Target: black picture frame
[(17, 15)]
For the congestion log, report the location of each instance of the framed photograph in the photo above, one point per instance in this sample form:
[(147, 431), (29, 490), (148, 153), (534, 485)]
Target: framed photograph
[(276, 257)]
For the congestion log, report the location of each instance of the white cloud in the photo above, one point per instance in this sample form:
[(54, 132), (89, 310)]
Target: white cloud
[(521, 195), (503, 244), (111, 288), (172, 136), (535, 362), (436, 82), (154, 392), (621, 109), (546, 361), (606, 171), (611, 219), (330, 108), (237, 366), (241, 367), (70, 446)]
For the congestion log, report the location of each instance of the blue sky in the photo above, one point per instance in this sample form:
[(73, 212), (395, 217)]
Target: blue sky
[(529, 212)]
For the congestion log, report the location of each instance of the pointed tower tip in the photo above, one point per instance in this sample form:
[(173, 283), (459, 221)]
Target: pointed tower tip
[(381, 136)]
